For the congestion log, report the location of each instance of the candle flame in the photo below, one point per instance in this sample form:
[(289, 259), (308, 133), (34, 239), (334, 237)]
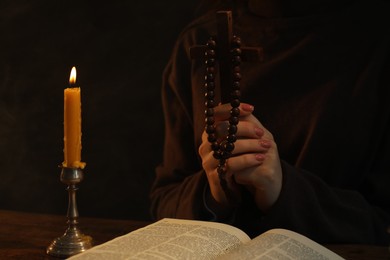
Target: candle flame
[(72, 78)]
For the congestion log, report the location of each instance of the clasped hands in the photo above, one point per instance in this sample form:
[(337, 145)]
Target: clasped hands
[(254, 164)]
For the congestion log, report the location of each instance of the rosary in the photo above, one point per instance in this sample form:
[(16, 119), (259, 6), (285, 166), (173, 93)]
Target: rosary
[(222, 150), (226, 50)]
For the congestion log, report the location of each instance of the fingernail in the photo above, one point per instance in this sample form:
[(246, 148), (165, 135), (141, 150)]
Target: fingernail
[(260, 157), (265, 143), (259, 131), (247, 107)]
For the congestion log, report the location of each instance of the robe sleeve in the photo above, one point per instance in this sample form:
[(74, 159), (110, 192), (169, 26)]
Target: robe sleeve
[(325, 214), (180, 181)]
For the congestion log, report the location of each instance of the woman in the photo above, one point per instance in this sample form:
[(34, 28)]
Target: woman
[(313, 142)]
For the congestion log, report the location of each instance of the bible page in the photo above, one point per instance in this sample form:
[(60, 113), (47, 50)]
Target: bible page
[(170, 239), (281, 244)]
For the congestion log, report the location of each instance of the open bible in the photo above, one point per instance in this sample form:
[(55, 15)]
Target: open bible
[(191, 239)]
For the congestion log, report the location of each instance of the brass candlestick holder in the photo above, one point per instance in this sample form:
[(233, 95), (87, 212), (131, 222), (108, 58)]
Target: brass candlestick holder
[(72, 241)]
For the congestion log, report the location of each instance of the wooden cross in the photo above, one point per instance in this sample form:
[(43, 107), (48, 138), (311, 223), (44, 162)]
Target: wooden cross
[(224, 41)]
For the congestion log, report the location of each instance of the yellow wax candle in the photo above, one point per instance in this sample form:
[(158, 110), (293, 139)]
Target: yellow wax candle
[(72, 125)]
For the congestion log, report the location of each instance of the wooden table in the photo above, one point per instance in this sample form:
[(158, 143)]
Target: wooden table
[(26, 235)]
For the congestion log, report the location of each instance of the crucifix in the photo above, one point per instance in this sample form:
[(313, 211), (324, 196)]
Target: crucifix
[(228, 53), (223, 52)]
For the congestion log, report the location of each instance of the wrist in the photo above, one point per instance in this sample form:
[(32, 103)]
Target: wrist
[(221, 212)]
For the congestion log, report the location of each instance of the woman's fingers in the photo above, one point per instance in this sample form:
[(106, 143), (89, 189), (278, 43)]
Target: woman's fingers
[(251, 146), (243, 162)]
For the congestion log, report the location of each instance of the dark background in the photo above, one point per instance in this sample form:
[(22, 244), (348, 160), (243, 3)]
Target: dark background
[(120, 49)]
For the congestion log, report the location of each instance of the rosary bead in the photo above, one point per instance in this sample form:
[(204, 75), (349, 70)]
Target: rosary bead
[(211, 43), (210, 62), (209, 94), (231, 138), (210, 103), (217, 155), (236, 76), (210, 120), (232, 129), (235, 102), (221, 171), (212, 138), (236, 41), (214, 144), (209, 77), (226, 154), (236, 60), (235, 94), (210, 69), (210, 129), (209, 112), (233, 120), (210, 53), (236, 51), (209, 85), (235, 111), (228, 147)]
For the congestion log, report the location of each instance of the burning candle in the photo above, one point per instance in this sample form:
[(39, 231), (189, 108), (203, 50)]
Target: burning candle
[(72, 124)]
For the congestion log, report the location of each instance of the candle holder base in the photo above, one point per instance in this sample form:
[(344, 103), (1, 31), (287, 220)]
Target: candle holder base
[(71, 243)]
